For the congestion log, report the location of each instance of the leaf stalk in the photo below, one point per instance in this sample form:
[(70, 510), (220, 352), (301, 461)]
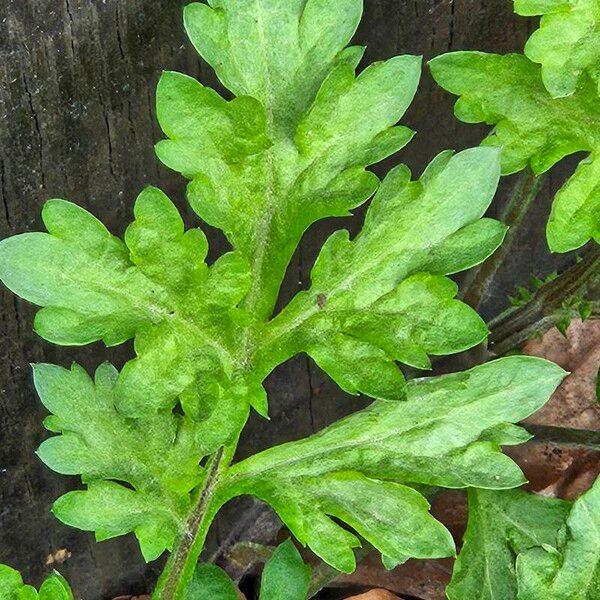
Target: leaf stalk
[(181, 565)]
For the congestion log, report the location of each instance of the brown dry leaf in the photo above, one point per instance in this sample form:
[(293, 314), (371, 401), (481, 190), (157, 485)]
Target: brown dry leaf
[(574, 404), (425, 579), (57, 557), (375, 595)]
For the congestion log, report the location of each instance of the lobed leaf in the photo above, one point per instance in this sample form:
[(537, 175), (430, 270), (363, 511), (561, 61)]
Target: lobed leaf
[(54, 587), (155, 287), (382, 297), (293, 146), (146, 489), (567, 44), (534, 129), (501, 525), (447, 433), (571, 569)]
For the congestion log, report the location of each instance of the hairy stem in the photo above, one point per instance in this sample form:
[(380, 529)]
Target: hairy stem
[(517, 325), (563, 436), (182, 563), (525, 191)]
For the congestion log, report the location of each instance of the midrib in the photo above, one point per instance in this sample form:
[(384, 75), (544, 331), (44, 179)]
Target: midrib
[(287, 463), (265, 224)]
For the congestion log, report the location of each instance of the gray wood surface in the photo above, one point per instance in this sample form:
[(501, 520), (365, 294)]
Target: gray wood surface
[(77, 122)]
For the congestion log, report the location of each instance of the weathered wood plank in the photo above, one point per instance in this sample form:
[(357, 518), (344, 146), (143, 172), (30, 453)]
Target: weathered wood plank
[(77, 121)]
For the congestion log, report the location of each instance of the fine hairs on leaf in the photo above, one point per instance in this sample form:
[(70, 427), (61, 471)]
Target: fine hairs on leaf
[(155, 443), (544, 105)]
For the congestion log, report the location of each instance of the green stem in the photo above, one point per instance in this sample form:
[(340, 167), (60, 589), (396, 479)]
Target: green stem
[(517, 325), (181, 565), (562, 436)]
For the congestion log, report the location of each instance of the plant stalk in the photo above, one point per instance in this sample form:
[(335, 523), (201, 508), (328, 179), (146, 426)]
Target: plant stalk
[(563, 436), (517, 325), (181, 565)]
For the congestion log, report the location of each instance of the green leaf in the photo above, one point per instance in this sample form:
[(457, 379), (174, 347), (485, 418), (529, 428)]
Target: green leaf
[(211, 583), (576, 207), (285, 576), (372, 301), (55, 587), (447, 433), (534, 129), (501, 525), (146, 488), (278, 51), (567, 44), (293, 146), (156, 288), (571, 571)]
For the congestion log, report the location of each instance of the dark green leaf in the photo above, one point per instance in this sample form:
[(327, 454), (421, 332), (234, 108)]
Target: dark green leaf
[(285, 576), (211, 583), (501, 525)]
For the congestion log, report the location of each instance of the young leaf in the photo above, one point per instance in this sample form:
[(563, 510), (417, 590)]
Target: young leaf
[(155, 288), (305, 126), (570, 570), (502, 525), (534, 129), (211, 583), (373, 300), (278, 51), (55, 587), (448, 433), (567, 44), (285, 576), (159, 467)]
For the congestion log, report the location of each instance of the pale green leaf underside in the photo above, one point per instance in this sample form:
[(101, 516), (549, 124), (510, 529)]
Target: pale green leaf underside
[(533, 129), (567, 44), (572, 570), (374, 299), (160, 461), (292, 147), (54, 587), (501, 525), (447, 433)]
